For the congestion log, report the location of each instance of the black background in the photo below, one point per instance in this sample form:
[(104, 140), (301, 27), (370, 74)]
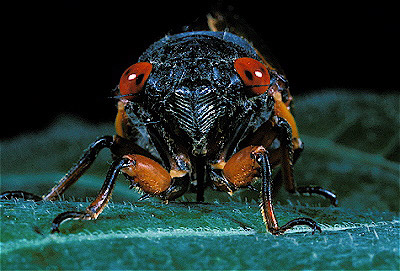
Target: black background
[(66, 57)]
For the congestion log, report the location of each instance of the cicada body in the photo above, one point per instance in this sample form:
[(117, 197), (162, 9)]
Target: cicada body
[(199, 110)]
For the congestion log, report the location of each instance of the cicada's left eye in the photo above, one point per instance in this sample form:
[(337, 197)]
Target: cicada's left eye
[(254, 74), (134, 78)]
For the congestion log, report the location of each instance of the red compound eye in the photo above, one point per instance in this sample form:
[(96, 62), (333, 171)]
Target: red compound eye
[(134, 78), (253, 73)]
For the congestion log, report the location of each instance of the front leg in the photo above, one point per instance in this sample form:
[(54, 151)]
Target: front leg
[(97, 206), (240, 171), (144, 172), (266, 201)]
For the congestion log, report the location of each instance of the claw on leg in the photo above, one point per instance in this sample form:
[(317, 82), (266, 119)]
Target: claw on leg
[(63, 217), (297, 222), (319, 191), (18, 194)]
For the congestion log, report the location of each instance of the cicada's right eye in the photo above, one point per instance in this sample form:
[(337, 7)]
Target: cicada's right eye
[(133, 79)]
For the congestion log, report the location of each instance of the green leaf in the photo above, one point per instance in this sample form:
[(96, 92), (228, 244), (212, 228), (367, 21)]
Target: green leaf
[(352, 147), (150, 235)]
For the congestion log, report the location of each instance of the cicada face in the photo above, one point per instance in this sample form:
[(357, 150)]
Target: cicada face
[(197, 92)]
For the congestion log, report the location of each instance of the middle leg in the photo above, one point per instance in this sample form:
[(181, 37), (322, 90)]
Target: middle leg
[(288, 155)]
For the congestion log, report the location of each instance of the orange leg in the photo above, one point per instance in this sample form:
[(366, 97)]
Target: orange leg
[(149, 175), (97, 206), (253, 162)]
